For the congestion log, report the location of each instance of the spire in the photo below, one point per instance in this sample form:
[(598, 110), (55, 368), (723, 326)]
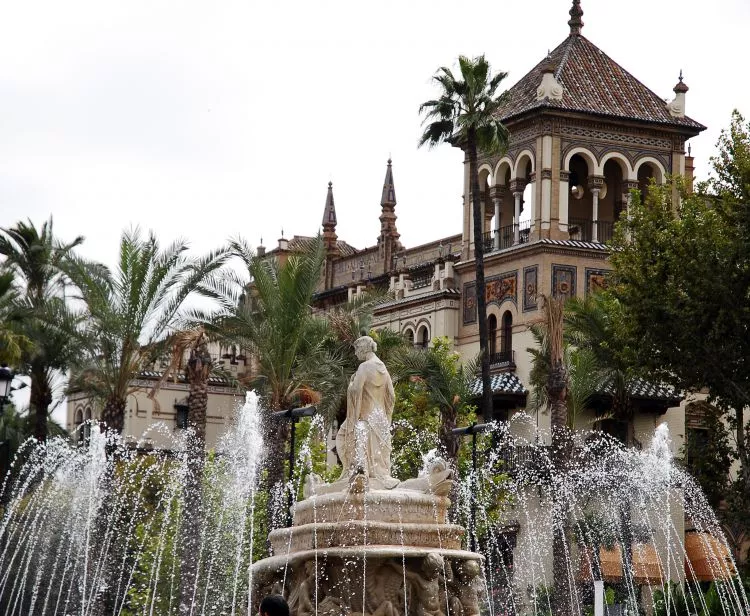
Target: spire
[(389, 190), (329, 213), (680, 87), (575, 22)]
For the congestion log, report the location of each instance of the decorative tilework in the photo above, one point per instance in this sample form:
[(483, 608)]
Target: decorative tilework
[(564, 281), (530, 288), (501, 288), (596, 279), (470, 303), (498, 289)]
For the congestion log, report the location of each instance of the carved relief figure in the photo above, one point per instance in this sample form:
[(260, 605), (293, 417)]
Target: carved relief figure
[(464, 596)]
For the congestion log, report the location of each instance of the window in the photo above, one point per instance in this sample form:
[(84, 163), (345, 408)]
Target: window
[(423, 337), (492, 329), (87, 426), (409, 333), (78, 421), (507, 335)]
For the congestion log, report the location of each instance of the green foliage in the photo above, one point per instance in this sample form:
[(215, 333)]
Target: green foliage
[(466, 104), (673, 602), (131, 310), (682, 280), (709, 454)]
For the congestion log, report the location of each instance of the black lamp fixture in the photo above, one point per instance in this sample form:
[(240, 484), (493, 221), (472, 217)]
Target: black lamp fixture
[(473, 430), (294, 416), (6, 378)]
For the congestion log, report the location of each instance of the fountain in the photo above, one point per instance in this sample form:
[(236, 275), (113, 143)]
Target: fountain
[(368, 543), (98, 529)]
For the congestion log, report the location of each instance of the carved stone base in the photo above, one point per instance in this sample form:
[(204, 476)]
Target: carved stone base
[(374, 582)]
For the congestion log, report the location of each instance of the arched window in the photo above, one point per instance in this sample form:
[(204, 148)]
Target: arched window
[(507, 338), (409, 333), (87, 426), (78, 420), (423, 337), (492, 331)]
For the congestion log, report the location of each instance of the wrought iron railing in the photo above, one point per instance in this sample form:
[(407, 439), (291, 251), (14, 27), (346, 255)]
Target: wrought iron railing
[(507, 237), (582, 229), (503, 358)]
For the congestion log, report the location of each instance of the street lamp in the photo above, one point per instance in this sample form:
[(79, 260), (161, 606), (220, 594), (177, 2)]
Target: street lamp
[(473, 430), (6, 379), (294, 416)]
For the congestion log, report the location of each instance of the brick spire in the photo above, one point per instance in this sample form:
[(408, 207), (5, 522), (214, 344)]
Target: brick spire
[(388, 241), (329, 222), (575, 22)]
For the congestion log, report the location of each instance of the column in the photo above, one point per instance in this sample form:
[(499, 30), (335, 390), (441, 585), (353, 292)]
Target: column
[(517, 187), (563, 200), (496, 193), (595, 215), (595, 182)]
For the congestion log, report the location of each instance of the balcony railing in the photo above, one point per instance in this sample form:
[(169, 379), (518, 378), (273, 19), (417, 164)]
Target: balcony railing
[(503, 359), (524, 458), (583, 230), (507, 237)]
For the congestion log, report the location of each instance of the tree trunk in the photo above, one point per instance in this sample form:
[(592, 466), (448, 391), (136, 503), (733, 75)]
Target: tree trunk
[(449, 442), (486, 407), (198, 370), (113, 414), (40, 399), (277, 435), (557, 393)]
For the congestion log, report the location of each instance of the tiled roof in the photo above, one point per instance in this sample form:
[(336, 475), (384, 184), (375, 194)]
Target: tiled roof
[(592, 83), (574, 244), (300, 243), (646, 390), (155, 375), (503, 383)]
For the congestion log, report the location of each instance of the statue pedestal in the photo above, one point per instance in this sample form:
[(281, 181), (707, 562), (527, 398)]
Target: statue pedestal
[(376, 552)]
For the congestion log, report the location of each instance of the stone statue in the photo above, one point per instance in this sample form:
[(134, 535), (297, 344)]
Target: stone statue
[(364, 440)]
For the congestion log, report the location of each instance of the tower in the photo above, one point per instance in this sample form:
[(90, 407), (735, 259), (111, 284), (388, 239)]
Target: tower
[(330, 240), (388, 241)]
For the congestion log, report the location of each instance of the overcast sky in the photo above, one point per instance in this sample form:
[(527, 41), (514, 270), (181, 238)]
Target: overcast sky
[(209, 119)]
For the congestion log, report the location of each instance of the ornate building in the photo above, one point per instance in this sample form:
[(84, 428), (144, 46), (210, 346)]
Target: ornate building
[(583, 133)]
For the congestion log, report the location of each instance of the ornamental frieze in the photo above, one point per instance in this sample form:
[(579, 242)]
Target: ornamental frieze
[(498, 289), (596, 279)]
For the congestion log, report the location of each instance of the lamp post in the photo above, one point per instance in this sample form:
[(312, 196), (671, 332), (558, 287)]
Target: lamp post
[(6, 378), (294, 416), (473, 430)]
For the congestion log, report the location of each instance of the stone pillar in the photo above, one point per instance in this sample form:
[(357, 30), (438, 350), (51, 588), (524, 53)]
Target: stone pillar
[(595, 215), (517, 187), (563, 202), (496, 193), (436, 276), (596, 183), (628, 186)]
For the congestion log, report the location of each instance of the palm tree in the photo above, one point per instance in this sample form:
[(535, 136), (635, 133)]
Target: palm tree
[(192, 342), (591, 327), (37, 258), (12, 343), (289, 343), (447, 384), (557, 391), (130, 313), (465, 114)]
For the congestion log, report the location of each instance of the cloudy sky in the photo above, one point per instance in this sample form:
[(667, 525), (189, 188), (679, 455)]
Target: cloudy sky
[(209, 119)]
